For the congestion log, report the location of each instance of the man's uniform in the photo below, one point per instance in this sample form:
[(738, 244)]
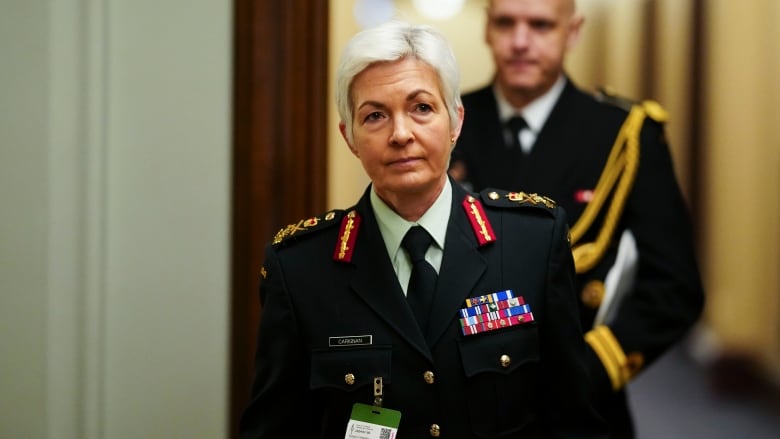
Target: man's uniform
[(606, 161)]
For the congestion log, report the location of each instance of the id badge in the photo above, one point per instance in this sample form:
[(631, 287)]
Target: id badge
[(372, 422)]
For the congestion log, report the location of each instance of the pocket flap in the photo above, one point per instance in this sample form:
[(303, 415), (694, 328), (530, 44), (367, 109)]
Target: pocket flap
[(350, 369), (499, 352)]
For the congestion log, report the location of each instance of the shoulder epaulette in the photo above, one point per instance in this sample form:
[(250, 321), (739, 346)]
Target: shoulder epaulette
[(345, 244), (306, 226), (507, 199), (480, 224), (653, 109)]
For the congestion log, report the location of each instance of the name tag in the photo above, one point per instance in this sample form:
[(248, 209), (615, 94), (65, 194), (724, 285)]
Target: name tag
[(350, 340)]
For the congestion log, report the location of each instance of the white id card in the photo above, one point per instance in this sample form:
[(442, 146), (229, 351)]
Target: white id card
[(370, 422)]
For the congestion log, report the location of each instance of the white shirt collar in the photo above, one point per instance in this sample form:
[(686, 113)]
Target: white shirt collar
[(393, 227), (535, 113)]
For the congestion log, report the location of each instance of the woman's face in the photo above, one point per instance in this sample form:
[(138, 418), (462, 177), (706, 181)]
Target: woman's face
[(401, 129)]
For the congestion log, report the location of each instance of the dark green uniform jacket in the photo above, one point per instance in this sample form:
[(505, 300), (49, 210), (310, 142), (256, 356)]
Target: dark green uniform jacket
[(323, 286)]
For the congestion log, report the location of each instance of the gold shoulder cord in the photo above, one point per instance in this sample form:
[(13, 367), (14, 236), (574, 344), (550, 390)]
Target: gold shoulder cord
[(620, 169)]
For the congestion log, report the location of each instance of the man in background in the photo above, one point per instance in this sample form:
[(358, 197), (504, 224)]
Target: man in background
[(606, 161)]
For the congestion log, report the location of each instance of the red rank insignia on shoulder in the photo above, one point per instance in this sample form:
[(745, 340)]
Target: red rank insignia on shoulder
[(479, 221), (347, 236)]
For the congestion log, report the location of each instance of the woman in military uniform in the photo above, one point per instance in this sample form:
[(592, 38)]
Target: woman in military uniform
[(423, 310)]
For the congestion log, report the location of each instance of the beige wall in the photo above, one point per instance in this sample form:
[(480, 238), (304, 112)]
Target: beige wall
[(114, 231), (740, 248), (742, 214)]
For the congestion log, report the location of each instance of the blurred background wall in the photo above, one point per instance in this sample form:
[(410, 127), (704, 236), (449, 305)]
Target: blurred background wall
[(114, 223), (115, 199)]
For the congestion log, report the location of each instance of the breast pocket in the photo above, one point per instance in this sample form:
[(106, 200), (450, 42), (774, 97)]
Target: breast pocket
[(350, 370), (502, 374)]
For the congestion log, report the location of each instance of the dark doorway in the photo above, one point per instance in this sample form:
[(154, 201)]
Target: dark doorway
[(280, 88)]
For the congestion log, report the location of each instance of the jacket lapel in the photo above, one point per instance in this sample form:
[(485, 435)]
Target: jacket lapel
[(375, 282), (491, 131), (462, 267), (556, 145)]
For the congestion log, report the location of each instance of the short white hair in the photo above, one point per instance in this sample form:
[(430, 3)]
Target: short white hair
[(394, 41)]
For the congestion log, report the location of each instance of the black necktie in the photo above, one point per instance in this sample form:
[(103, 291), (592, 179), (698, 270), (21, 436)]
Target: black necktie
[(515, 124), (422, 282)]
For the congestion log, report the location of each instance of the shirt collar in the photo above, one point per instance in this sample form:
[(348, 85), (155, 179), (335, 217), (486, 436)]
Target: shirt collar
[(535, 113), (393, 227)]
